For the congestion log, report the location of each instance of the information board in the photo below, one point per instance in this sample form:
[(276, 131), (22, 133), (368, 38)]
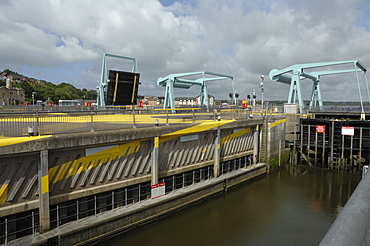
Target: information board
[(158, 190)]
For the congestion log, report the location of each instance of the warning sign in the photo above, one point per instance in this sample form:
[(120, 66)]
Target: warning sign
[(320, 128), (348, 130), (158, 190)]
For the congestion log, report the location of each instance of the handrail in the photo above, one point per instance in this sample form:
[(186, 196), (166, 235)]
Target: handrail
[(351, 226)]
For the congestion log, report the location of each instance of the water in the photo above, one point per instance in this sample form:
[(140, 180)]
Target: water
[(294, 206)]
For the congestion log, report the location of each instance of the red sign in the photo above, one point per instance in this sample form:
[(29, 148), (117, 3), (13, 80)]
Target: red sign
[(348, 130), (140, 104), (244, 103), (320, 128)]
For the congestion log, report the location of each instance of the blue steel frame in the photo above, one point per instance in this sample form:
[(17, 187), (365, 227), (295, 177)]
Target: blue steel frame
[(172, 81), (298, 74)]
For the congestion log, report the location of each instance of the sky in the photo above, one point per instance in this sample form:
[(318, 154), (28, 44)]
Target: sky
[(64, 41)]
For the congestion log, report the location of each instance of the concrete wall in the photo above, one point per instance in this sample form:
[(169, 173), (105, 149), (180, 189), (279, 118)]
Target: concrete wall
[(81, 165)]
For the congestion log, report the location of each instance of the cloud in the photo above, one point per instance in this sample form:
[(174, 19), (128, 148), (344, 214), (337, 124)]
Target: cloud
[(236, 37)]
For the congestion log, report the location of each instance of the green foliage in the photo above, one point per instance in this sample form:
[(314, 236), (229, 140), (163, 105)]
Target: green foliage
[(47, 91), (8, 71)]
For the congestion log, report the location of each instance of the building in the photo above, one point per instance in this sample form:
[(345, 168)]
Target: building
[(11, 96)]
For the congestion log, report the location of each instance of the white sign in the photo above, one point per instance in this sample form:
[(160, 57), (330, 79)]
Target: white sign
[(158, 190), (348, 130)]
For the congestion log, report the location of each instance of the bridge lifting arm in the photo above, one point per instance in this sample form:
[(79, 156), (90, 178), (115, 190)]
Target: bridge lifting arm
[(175, 81), (294, 74)]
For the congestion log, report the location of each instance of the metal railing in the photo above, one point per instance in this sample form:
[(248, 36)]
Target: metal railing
[(16, 124)]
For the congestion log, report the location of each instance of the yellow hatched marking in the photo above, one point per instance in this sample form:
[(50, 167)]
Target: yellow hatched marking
[(61, 172), (52, 172), (235, 135), (3, 193), (92, 164), (73, 169), (91, 161)]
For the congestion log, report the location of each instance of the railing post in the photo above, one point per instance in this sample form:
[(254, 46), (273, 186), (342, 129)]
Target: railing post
[(125, 196), (112, 200), (92, 120), (57, 216), (193, 115), (37, 123), (167, 118), (6, 232), (33, 224), (139, 192), (78, 210), (133, 118), (95, 204)]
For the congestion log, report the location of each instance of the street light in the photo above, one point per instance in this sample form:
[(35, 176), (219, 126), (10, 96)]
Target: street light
[(261, 86), (33, 98)]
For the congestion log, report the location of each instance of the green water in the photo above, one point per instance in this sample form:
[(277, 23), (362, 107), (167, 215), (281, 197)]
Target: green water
[(294, 206)]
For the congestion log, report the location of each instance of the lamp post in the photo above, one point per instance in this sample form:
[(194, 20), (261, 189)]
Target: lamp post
[(261, 86), (33, 98)]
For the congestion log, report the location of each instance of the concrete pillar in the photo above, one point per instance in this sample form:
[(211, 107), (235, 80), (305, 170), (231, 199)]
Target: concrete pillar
[(255, 144), (43, 181), (216, 167), (155, 153)]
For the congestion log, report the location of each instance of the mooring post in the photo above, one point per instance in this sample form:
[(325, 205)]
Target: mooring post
[(43, 183)]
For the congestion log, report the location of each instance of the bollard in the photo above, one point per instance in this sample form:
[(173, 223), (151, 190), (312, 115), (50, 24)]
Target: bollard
[(31, 131)]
